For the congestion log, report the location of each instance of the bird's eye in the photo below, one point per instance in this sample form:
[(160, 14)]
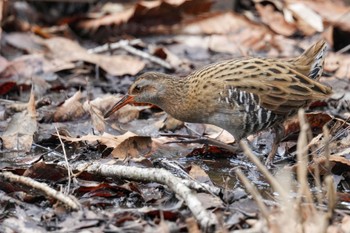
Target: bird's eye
[(137, 88)]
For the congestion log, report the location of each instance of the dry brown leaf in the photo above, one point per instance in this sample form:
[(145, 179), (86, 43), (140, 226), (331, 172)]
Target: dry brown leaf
[(70, 109), (275, 20), (126, 145), (3, 64), (96, 116), (209, 201), (340, 63), (107, 20), (35, 68), (141, 17), (199, 174), (62, 49), (345, 225), (225, 44), (19, 106), (306, 18), (218, 133), (217, 23), (20, 131), (123, 115), (170, 123), (25, 41), (335, 14), (133, 147), (334, 160), (170, 57), (316, 120), (192, 225)]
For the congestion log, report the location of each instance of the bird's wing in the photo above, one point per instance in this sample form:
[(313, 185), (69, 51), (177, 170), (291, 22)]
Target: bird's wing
[(276, 86)]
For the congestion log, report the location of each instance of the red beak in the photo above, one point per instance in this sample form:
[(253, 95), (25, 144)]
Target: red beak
[(127, 99)]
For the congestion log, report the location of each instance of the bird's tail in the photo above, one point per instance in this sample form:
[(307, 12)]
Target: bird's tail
[(310, 63)]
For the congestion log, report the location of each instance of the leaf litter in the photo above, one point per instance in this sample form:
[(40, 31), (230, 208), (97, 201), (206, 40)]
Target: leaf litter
[(58, 65)]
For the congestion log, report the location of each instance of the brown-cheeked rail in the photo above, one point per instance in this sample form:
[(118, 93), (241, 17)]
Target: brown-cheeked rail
[(243, 96)]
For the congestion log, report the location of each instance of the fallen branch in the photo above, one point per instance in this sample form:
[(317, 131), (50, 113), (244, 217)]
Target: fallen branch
[(207, 220), (113, 46), (67, 200), (126, 45), (176, 169)]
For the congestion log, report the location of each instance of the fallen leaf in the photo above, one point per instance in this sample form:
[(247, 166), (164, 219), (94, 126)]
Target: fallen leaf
[(332, 13), (210, 201), (275, 20), (170, 123), (96, 116), (25, 41), (126, 145), (306, 16), (3, 63), (199, 174), (140, 19), (123, 115), (316, 120), (217, 23), (30, 69), (337, 164), (62, 49), (338, 63), (20, 131), (70, 109), (170, 57), (44, 171), (133, 147)]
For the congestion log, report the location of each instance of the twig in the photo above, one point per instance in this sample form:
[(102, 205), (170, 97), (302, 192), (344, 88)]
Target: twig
[(69, 170), (176, 169), (113, 46), (145, 55), (344, 50), (206, 219), (202, 187), (126, 45), (65, 199)]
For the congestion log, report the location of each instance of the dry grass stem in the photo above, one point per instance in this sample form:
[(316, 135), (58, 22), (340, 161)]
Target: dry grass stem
[(302, 148), (262, 168), (254, 192)]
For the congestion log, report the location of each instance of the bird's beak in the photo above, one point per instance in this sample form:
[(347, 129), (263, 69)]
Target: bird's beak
[(127, 99)]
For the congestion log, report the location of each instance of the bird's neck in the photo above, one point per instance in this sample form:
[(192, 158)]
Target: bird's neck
[(182, 100)]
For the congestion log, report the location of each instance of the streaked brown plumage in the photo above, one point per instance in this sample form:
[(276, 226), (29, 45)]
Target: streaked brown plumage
[(242, 96)]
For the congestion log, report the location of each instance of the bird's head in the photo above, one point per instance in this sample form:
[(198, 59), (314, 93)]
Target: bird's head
[(150, 87)]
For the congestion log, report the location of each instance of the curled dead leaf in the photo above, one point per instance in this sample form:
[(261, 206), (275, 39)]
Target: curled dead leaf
[(96, 116), (337, 164), (70, 109), (132, 147)]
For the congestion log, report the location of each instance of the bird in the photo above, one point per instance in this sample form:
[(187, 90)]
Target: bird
[(242, 96)]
